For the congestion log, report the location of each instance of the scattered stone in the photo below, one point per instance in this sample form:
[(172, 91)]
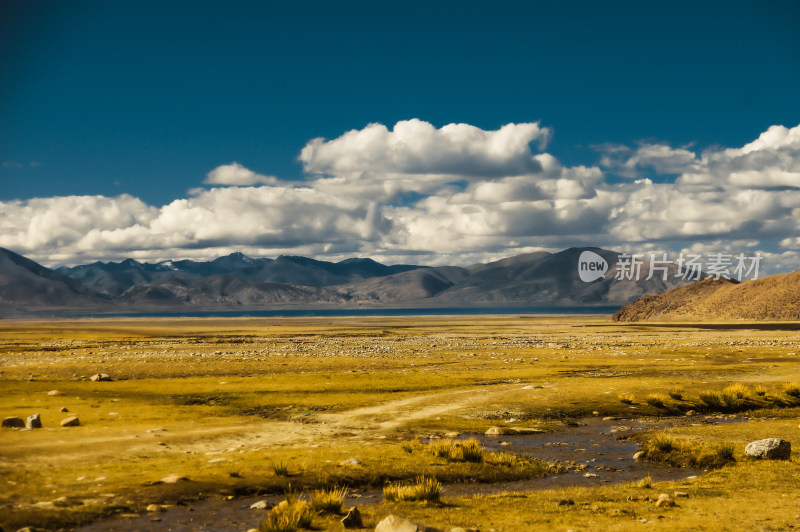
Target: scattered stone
[(157, 430), (394, 523), (155, 508), (504, 431), (680, 495), (452, 435), (13, 423), (63, 409), (461, 529), (351, 462), (101, 377), (261, 505), (566, 502), (353, 519), (691, 413), (61, 501), (665, 501), (55, 392), (71, 421), (595, 413), (638, 455), (505, 443), (769, 448), (591, 475), (609, 418), (174, 479), (32, 529), (252, 530), (33, 422)]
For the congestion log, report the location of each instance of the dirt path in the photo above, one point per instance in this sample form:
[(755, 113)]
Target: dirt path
[(356, 423)]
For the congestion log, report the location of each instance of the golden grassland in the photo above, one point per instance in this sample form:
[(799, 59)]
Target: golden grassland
[(270, 405)]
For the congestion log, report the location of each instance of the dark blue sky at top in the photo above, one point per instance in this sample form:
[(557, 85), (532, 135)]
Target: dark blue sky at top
[(146, 97)]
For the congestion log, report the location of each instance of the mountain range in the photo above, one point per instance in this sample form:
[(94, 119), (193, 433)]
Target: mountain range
[(239, 281)]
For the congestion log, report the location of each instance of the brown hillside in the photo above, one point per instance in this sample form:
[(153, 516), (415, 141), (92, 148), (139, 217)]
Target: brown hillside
[(776, 297)]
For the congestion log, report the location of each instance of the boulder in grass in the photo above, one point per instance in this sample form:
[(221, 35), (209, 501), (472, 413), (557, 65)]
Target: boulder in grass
[(174, 479), (71, 421), (33, 422), (395, 523), (55, 392), (665, 501), (353, 519), (769, 448), (101, 377), (13, 423), (261, 505)]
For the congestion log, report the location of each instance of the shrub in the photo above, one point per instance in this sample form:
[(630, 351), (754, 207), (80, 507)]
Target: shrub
[(646, 482), (626, 398), (289, 516), (656, 400), (330, 500), (425, 489)]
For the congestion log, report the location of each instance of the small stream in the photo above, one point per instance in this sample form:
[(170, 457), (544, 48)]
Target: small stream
[(601, 446)]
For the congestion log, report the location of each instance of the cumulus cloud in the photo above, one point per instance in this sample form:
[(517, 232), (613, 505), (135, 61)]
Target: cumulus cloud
[(453, 194), (415, 147), (235, 174)]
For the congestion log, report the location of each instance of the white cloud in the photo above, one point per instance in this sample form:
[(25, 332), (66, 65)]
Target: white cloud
[(237, 175), (417, 148), (451, 194)]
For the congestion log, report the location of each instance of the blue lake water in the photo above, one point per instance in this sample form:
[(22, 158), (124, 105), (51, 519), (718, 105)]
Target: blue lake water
[(299, 313)]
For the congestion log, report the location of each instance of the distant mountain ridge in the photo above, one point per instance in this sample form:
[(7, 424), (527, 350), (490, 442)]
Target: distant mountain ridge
[(239, 281), (115, 278)]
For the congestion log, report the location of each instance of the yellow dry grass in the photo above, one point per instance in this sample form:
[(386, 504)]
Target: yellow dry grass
[(241, 395)]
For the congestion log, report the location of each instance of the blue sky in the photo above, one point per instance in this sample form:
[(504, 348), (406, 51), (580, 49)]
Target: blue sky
[(141, 100)]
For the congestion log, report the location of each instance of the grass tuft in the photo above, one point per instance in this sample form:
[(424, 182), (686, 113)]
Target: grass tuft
[(646, 482), (711, 398), (725, 451), (626, 398), (676, 394), (329, 500), (792, 389), (424, 489), (656, 400), (281, 469), (457, 451), (663, 443), (288, 516)]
